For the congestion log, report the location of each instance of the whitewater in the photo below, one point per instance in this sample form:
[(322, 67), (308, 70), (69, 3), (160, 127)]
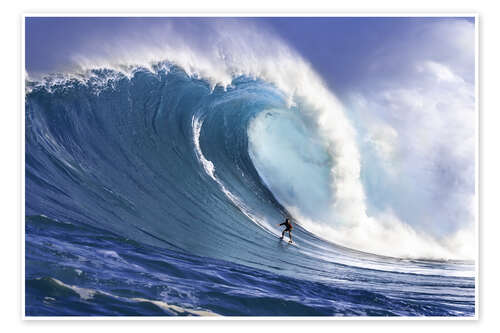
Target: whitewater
[(155, 183)]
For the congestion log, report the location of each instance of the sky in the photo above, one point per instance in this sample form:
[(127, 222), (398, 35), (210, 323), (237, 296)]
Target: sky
[(339, 48), (406, 85)]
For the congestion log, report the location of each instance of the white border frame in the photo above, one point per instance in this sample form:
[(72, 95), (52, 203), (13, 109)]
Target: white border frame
[(266, 13)]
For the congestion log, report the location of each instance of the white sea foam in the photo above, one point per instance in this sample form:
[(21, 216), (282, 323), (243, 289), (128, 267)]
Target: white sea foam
[(89, 294), (207, 165), (84, 293)]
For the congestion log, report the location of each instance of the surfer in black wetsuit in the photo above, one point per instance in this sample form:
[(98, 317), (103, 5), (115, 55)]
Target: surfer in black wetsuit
[(288, 226)]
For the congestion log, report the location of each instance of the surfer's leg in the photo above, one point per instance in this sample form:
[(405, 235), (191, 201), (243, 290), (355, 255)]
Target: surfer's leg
[(290, 235), (283, 234)]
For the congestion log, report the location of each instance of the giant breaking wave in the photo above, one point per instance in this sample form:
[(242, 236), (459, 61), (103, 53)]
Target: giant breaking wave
[(203, 146)]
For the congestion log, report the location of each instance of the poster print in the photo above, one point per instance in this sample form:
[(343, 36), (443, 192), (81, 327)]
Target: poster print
[(250, 166)]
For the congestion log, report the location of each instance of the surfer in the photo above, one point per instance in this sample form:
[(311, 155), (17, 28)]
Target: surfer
[(288, 226)]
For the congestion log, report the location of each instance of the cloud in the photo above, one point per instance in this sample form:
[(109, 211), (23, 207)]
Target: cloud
[(417, 130)]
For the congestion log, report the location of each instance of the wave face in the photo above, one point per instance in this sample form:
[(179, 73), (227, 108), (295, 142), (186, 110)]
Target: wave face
[(157, 192)]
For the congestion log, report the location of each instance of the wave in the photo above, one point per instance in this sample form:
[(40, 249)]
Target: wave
[(199, 146)]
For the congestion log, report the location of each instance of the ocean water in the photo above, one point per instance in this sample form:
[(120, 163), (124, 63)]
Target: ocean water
[(157, 193)]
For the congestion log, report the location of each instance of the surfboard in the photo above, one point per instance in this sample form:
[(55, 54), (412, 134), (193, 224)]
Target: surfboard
[(288, 241)]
